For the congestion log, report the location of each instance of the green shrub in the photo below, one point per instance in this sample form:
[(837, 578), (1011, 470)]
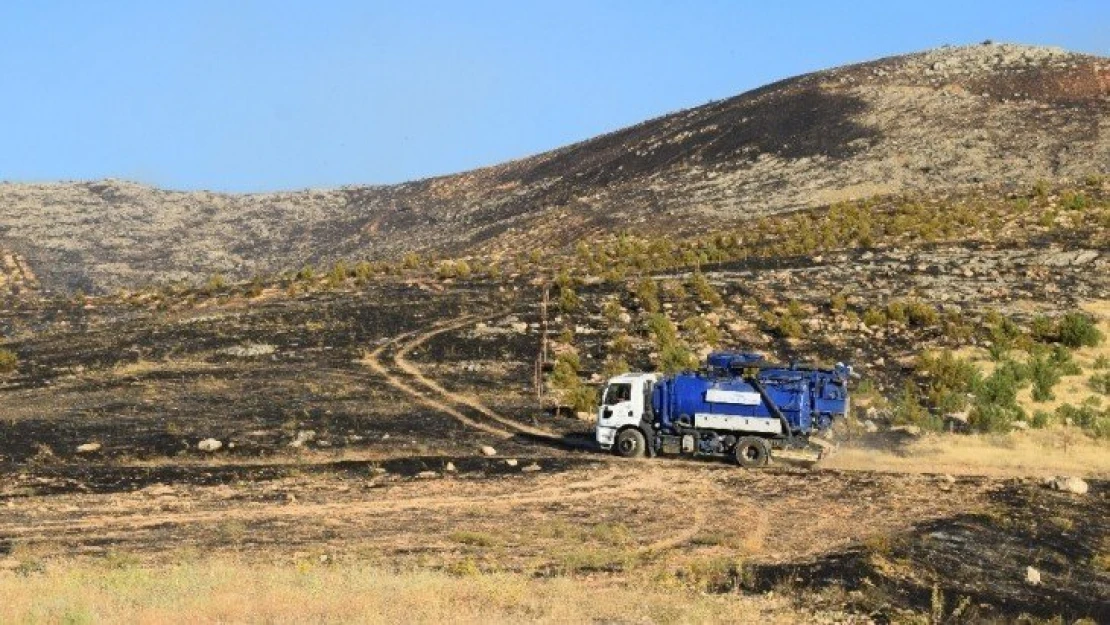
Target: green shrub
[(648, 294), (700, 285), (996, 407), (1087, 416), (702, 331), (838, 302), (896, 312), (612, 310), (874, 317), (1100, 383), (1078, 330), (621, 345), (1074, 201), (949, 379), (921, 314), (565, 373), (613, 366), (9, 361), (1044, 374), (788, 327), (908, 410), (569, 301), (1041, 419), (216, 282), (662, 330), (1102, 362), (674, 358), (581, 398)]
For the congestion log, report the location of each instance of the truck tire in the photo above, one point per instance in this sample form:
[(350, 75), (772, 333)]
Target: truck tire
[(630, 443), (751, 452)]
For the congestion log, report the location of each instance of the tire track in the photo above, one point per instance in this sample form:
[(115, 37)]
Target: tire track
[(373, 361), (399, 358)]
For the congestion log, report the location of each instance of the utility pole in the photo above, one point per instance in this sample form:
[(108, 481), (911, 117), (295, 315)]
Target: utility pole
[(541, 356)]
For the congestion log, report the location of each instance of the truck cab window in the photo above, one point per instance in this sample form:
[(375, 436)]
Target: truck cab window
[(616, 393)]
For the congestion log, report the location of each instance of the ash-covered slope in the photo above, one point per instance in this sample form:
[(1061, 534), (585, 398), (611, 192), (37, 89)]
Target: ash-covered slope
[(932, 122)]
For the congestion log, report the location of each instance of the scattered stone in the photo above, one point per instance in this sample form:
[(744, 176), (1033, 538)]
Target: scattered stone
[(870, 427), (426, 475), (377, 471), (88, 448), (488, 451), (512, 462), (1067, 484), (1019, 425), (303, 437), (209, 445), (947, 479), (450, 468), (249, 350), (532, 468), (584, 416), (1032, 576)]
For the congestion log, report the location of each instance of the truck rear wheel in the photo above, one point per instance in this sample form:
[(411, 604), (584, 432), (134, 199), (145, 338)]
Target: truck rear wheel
[(751, 452), (630, 443)]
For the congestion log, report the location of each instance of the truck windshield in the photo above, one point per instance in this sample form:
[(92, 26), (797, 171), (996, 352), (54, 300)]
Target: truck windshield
[(616, 393)]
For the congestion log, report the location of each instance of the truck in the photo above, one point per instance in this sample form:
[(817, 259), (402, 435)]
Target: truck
[(737, 406)]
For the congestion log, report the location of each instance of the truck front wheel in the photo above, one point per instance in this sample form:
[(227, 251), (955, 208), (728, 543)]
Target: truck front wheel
[(751, 452), (630, 443)]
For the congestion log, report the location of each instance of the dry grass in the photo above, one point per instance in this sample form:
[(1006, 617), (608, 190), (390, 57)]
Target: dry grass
[(228, 591), (1046, 452)]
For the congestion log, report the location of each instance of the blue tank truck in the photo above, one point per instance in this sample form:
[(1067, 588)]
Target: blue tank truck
[(737, 406)]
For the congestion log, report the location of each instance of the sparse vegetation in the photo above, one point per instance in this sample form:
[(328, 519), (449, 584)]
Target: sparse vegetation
[(9, 361)]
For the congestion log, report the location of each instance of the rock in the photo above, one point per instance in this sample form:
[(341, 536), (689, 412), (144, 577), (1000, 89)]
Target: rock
[(512, 462), (962, 417), (249, 350), (1068, 485), (1019, 425), (1032, 576), (532, 468), (488, 451), (209, 445), (584, 416), (427, 475), (450, 468), (519, 327), (88, 448), (624, 318), (302, 437), (946, 479), (870, 427), (912, 430)]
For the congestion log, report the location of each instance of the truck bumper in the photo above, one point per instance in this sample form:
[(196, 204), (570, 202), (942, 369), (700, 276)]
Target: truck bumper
[(606, 436)]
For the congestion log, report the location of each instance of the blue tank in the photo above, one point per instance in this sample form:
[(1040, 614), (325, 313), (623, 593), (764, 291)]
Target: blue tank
[(739, 392)]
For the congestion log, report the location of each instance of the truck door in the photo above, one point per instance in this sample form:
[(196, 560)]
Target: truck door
[(619, 403)]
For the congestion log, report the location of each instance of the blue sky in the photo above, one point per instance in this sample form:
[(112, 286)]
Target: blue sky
[(254, 96)]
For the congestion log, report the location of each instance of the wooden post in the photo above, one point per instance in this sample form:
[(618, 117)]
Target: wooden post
[(541, 357)]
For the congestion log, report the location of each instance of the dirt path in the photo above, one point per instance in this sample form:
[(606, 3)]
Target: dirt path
[(399, 358), (373, 361)]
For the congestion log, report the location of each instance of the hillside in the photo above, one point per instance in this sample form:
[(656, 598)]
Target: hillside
[(933, 123)]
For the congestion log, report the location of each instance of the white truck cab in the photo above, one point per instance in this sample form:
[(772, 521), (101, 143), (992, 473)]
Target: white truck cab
[(623, 403)]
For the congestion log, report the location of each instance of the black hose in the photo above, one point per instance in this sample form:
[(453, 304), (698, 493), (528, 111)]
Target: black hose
[(758, 386)]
